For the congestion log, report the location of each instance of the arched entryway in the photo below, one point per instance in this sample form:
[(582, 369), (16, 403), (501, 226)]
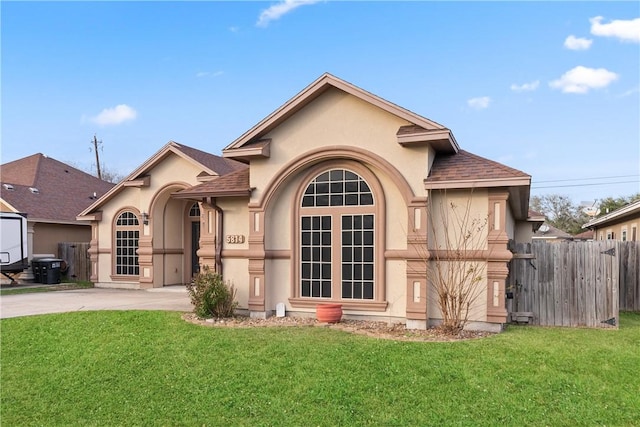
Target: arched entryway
[(168, 244)]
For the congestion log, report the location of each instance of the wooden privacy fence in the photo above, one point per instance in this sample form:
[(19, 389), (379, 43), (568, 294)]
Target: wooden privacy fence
[(76, 256), (574, 283)]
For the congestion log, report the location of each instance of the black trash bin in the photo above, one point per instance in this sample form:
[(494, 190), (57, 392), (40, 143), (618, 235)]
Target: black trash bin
[(36, 268), (50, 270)]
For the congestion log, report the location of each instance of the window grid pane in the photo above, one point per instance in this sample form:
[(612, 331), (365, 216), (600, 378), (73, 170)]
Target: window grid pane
[(195, 210), (126, 249), (127, 218), (337, 187), (127, 236), (315, 271), (357, 256)]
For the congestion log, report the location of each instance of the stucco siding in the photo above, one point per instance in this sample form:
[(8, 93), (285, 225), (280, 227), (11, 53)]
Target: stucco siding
[(470, 212), (47, 236), (339, 119), (236, 272)]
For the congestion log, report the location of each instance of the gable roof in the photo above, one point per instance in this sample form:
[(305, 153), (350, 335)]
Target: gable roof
[(234, 184), (48, 190), (551, 233), (466, 170), (422, 129), (585, 235), (212, 166), (621, 214), (464, 167)]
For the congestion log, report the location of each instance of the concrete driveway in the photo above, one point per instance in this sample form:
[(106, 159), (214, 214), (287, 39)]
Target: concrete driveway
[(170, 298)]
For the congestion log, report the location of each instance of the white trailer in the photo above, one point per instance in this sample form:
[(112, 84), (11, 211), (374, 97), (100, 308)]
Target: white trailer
[(14, 251)]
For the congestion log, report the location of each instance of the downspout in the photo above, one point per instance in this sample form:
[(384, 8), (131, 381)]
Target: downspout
[(219, 235)]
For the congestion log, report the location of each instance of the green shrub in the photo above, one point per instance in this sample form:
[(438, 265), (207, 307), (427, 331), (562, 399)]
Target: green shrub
[(211, 296)]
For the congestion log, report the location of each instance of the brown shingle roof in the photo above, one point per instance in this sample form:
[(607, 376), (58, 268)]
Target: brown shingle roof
[(62, 191), (233, 184), (465, 166), (219, 164)]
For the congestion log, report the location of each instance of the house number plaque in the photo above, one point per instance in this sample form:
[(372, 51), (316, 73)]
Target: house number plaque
[(235, 238)]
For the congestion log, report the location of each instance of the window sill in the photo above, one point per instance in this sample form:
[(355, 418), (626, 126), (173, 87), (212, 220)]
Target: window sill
[(124, 278), (361, 305)]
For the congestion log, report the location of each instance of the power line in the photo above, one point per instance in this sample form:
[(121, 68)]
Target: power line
[(588, 179), (584, 185)]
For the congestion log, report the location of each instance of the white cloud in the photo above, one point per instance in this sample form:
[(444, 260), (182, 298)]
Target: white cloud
[(577, 43), (479, 103), (116, 115), (278, 10), (625, 30), (201, 74), (582, 79), (525, 87), (630, 92)]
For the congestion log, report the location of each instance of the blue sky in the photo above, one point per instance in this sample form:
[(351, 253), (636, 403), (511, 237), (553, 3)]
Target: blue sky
[(550, 88)]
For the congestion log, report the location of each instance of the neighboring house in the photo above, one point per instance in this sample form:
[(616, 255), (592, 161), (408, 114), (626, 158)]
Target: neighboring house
[(549, 233), (585, 236), (52, 194), (324, 200), (621, 224)]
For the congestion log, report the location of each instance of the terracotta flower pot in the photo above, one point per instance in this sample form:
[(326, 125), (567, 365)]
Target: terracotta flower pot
[(329, 313)]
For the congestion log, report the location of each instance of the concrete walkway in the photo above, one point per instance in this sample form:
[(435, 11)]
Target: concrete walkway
[(170, 298)]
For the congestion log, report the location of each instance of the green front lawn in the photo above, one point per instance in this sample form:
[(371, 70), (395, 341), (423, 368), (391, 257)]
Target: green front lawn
[(152, 368)]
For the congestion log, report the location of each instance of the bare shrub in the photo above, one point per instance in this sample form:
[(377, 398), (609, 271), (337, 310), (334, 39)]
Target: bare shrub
[(457, 259), (211, 296)]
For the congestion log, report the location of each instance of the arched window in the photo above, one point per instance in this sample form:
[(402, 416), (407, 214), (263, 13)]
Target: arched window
[(127, 234), (337, 244), (195, 210)]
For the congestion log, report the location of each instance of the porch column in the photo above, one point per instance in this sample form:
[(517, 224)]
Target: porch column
[(257, 306), (207, 245), (145, 261), (93, 252), (417, 265), (499, 256)]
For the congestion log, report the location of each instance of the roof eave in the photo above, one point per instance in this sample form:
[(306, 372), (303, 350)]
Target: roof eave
[(630, 209), (248, 153), (215, 195), (442, 140), (314, 90), (519, 190)]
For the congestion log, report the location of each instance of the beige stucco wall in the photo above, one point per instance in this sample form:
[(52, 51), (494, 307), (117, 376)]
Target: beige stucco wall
[(166, 220), (471, 212), (339, 119), (235, 266), (523, 231), (5, 207), (618, 228), (46, 236)]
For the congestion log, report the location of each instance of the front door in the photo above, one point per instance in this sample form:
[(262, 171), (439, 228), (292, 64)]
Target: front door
[(195, 244)]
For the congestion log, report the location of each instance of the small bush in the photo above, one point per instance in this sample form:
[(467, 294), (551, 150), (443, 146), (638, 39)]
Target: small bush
[(211, 296)]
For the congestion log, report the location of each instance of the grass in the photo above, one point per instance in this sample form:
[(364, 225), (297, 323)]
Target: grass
[(45, 288), (152, 368)]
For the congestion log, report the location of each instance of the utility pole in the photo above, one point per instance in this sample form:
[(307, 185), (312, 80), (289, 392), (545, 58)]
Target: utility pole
[(95, 148)]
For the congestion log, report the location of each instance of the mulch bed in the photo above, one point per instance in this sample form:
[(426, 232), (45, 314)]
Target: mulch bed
[(381, 330)]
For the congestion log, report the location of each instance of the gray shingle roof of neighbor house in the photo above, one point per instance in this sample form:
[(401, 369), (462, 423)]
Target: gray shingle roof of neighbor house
[(48, 190), (549, 232)]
